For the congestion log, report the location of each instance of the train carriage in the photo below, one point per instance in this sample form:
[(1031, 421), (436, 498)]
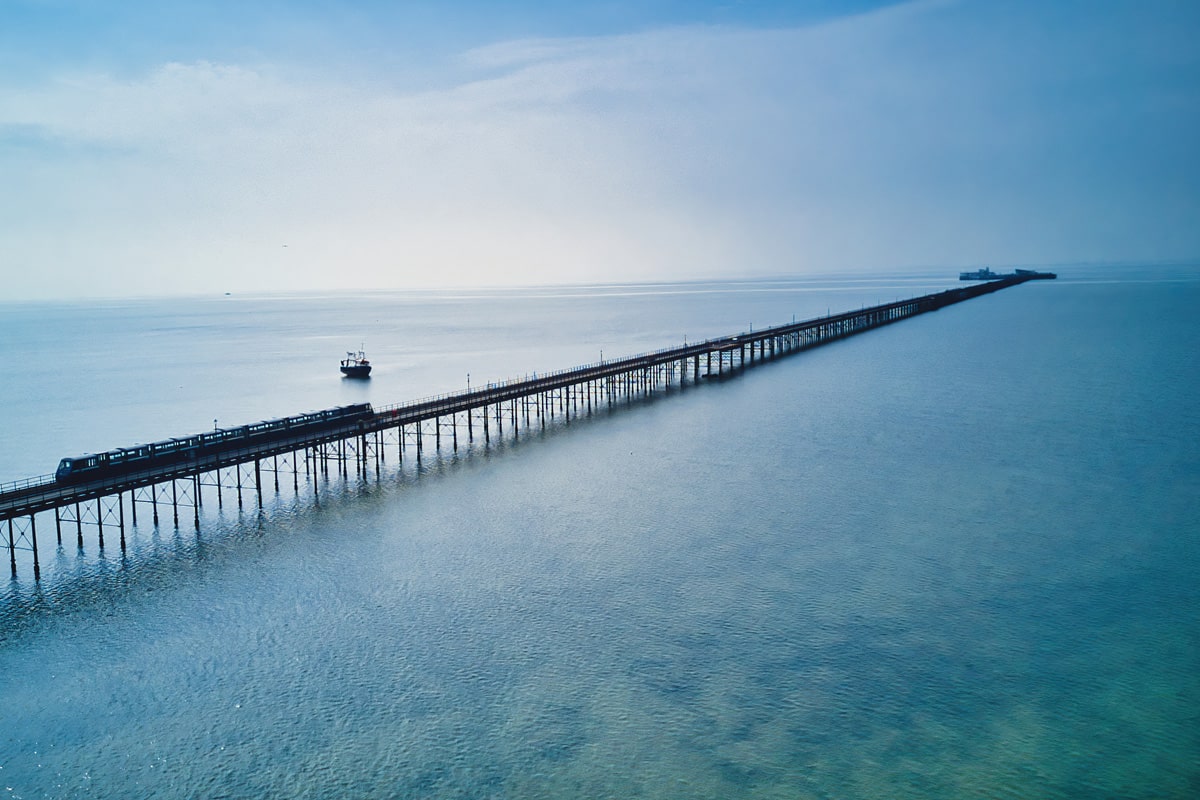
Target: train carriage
[(125, 460)]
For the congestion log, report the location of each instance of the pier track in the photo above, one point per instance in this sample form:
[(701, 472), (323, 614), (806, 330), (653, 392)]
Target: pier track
[(273, 448)]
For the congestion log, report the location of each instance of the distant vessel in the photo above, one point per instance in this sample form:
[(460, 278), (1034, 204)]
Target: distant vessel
[(355, 365), (986, 274)]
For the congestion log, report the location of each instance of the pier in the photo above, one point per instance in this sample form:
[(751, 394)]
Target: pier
[(104, 495)]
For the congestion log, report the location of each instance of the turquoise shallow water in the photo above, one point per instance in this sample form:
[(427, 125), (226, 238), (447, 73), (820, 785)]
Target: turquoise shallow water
[(950, 558)]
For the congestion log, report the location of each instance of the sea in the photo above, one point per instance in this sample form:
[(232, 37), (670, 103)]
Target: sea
[(954, 557)]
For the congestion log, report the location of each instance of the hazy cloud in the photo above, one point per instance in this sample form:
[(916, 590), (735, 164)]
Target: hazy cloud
[(928, 133)]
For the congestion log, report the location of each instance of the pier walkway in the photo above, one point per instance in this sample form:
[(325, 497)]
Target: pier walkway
[(97, 500)]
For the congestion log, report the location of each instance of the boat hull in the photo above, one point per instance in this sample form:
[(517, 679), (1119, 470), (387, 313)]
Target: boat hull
[(356, 371)]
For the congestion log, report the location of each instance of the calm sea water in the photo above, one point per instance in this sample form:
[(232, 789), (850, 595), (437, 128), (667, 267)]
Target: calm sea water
[(955, 557)]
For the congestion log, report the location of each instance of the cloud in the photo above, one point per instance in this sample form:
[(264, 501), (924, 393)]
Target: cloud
[(925, 133)]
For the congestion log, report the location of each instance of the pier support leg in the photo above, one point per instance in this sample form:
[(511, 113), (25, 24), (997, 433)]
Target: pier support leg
[(37, 568)]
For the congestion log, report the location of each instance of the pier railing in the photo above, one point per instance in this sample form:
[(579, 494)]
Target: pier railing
[(15, 486)]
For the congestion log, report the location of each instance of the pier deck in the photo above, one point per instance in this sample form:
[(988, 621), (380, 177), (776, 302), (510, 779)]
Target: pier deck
[(519, 403)]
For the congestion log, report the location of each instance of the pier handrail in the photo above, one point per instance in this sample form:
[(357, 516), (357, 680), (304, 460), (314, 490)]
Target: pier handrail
[(26, 483)]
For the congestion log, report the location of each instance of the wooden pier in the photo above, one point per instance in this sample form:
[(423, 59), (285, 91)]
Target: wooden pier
[(237, 468)]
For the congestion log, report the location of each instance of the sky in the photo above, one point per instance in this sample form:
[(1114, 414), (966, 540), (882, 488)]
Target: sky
[(208, 146)]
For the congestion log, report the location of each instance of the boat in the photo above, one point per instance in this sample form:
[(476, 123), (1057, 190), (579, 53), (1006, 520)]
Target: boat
[(984, 274), (356, 365)]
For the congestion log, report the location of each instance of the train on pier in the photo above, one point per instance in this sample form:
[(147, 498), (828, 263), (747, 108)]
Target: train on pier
[(125, 460)]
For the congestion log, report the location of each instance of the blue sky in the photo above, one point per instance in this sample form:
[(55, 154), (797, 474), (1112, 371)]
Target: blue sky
[(47, 34), (202, 147)]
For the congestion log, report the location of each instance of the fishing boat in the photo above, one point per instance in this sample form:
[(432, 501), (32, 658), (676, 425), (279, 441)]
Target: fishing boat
[(355, 365)]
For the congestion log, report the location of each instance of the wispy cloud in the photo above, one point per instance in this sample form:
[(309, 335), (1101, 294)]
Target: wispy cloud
[(926, 133)]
